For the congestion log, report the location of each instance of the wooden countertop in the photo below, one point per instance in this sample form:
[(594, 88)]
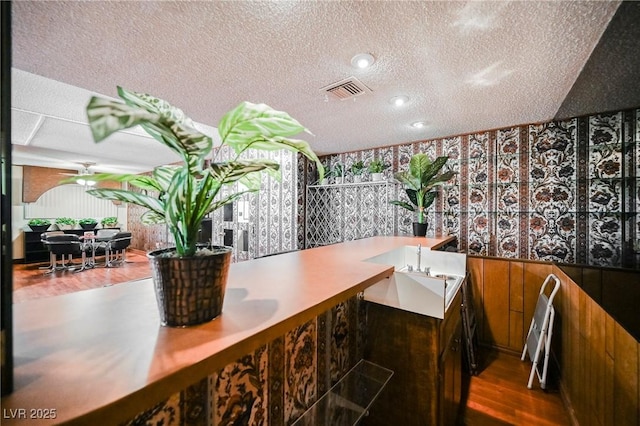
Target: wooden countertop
[(101, 357)]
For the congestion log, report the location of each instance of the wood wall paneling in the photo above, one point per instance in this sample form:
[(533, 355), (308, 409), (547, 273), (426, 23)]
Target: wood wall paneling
[(620, 297), (599, 359), (575, 378), (516, 305), (475, 267), (592, 283), (625, 378), (597, 363), (496, 302)]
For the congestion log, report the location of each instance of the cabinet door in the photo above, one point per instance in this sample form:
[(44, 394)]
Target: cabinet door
[(456, 345), (451, 379)]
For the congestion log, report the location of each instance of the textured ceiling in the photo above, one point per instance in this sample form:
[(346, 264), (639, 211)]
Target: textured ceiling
[(466, 66)]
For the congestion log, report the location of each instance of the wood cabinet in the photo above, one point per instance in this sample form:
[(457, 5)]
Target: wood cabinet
[(425, 354), (451, 378), (34, 250)]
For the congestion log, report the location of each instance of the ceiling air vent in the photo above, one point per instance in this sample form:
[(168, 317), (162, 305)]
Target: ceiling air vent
[(346, 89)]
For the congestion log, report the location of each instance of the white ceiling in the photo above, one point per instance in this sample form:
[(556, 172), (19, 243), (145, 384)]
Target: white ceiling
[(466, 66)]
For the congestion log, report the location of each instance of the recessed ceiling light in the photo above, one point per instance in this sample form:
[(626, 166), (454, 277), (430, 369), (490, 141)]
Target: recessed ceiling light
[(418, 124), (399, 100), (362, 60)]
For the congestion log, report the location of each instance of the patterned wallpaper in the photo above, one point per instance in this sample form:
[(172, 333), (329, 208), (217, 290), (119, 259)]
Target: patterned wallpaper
[(276, 383), (565, 191), (273, 215)]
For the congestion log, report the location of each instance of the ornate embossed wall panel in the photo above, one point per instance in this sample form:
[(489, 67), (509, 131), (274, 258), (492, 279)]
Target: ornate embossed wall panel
[(480, 194), (240, 391), (508, 153), (351, 213), (450, 204), (339, 353), (605, 192), (552, 191), (300, 370), (166, 413), (274, 219), (274, 384)]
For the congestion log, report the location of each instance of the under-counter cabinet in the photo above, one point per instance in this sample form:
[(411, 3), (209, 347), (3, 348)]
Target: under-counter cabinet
[(425, 354)]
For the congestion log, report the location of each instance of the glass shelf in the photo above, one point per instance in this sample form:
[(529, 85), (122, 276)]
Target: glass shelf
[(349, 399)]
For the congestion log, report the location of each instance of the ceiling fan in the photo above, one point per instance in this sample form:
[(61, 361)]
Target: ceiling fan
[(84, 171)]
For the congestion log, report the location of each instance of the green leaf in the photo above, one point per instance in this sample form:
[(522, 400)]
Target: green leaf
[(152, 218), (162, 121), (408, 180), (413, 196), (429, 197), (164, 175), (229, 199), (252, 182), (250, 121), (403, 204), (418, 165), (125, 196), (107, 117), (140, 181), (258, 126), (427, 176), (232, 171)]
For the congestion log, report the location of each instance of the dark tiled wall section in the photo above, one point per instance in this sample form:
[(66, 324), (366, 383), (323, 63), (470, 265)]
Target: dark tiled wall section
[(563, 191)]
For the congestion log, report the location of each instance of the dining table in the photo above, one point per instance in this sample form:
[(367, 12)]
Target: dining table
[(91, 242)]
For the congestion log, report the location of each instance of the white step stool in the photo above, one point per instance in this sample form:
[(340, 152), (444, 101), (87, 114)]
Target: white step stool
[(539, 336)]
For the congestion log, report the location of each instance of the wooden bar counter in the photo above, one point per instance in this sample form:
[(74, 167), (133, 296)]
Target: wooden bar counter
[(100, 356)]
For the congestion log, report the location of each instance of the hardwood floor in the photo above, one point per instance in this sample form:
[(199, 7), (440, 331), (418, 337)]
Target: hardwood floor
[(497, 396), (30, 282)]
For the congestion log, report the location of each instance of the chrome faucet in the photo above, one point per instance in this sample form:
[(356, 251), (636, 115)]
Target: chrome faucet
[(419, 250)]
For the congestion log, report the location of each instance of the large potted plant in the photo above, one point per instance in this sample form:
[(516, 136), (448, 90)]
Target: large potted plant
[(190, 283), (419, 183)]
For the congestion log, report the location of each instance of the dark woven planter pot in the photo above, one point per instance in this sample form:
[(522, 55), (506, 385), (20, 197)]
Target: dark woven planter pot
[(88, 226), (39, 228), (420, 229), (189, 290)]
